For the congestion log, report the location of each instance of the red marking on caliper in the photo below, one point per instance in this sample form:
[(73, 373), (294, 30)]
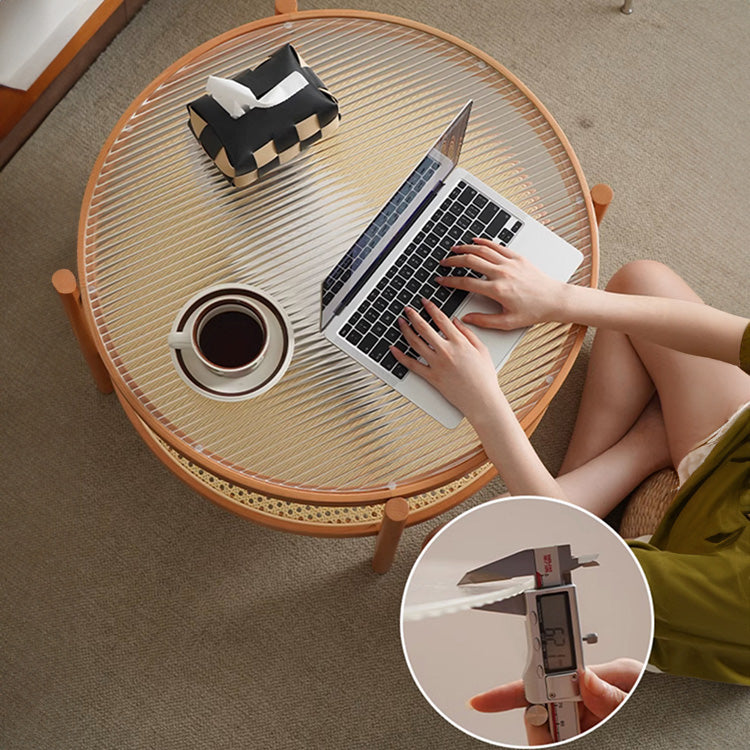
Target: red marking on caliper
[(553, 723)]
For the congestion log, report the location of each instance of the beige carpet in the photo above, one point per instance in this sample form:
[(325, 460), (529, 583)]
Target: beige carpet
[(133, 613)]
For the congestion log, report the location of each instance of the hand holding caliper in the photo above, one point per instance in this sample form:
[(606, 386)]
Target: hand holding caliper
[(555, 654), (603, 688)]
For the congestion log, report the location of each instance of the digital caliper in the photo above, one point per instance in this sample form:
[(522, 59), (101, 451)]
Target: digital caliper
[(555, 645)]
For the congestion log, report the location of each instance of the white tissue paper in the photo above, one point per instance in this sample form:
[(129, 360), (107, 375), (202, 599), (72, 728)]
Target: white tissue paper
[(237, 99)]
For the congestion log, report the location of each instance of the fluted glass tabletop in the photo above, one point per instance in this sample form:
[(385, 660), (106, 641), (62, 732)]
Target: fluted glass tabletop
[(160, 223)]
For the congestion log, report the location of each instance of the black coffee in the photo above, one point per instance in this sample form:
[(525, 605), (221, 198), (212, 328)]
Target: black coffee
[(231, 339)]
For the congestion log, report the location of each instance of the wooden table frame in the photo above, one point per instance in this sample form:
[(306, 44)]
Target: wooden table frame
[(108, 378)]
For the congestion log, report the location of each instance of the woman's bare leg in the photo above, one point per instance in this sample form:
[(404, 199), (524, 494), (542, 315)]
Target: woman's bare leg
[(615, 392), (697, 394), (602, 482), (616, 443)]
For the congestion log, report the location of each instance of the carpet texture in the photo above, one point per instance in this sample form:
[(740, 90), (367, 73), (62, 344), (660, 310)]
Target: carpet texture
[(135, 614)]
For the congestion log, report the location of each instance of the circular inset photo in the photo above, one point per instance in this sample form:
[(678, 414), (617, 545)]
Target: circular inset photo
[(526, 621)]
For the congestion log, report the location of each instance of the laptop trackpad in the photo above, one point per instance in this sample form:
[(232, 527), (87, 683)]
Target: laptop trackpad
[(500, 343)]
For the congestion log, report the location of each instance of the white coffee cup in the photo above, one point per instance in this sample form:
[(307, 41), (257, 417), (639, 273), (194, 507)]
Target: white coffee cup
[(228, 334)]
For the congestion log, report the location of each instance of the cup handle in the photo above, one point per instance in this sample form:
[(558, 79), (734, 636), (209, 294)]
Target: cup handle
[(179, 339)]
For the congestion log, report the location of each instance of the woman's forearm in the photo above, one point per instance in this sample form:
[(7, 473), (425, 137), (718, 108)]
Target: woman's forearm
[(509, 449), (688, 327)]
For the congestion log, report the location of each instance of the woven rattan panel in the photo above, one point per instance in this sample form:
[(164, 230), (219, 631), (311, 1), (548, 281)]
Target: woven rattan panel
[(297, 516), (648, 503), (162, 224)]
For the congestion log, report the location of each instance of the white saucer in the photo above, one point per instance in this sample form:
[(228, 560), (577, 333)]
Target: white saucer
[(264, 376)]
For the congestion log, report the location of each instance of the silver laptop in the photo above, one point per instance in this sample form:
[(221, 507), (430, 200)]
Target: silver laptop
[(396, 259)]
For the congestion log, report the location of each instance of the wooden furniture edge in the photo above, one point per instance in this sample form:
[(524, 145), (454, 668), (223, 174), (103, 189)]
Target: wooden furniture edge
[(601, 197), (66, 286), (21, 112), (303, 528), (323, 495), (395, 513), (282, 7)]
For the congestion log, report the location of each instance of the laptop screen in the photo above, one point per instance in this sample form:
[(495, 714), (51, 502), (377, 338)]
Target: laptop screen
[(401, 209)]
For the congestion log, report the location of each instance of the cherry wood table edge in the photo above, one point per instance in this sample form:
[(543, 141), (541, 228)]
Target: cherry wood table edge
[(328, 496)]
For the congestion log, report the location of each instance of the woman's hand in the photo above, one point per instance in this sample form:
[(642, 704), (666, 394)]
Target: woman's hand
[(460, 367), (603, 688), (457, 363), (527, 295)]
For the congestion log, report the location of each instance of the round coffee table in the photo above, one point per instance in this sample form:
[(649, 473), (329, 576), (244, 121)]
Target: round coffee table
[(159, 223)]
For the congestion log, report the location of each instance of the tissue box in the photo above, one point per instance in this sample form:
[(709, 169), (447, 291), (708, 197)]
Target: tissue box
[(246, 147)]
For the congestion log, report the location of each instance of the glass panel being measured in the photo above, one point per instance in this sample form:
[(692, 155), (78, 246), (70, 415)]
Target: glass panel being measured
[(164, 224)]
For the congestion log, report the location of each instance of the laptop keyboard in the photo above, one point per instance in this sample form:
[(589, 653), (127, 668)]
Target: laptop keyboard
[(390, 213), (463, 215)]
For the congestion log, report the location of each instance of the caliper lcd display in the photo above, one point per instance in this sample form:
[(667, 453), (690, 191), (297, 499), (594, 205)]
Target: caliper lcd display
[(556, 632)]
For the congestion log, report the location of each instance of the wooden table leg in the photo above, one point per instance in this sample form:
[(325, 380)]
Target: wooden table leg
[(284, 6), (394, 520), (602, 196), (67, 287)]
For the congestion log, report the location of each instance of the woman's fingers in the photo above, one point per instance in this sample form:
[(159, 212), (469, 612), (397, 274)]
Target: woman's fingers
[(498, 321), (480, 251), (422, 327), (502, 250), (474, 340), (413, 337), (621, 673), (467, 283), (410, 363), (501, 698), (470, 261), (420, 335), (443, 322), (599, 696)]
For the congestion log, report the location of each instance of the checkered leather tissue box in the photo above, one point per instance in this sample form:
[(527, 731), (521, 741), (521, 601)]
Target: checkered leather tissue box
[(262, 118)]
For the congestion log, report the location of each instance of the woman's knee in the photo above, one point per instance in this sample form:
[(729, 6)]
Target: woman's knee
[(650, 277), (637, 275)]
